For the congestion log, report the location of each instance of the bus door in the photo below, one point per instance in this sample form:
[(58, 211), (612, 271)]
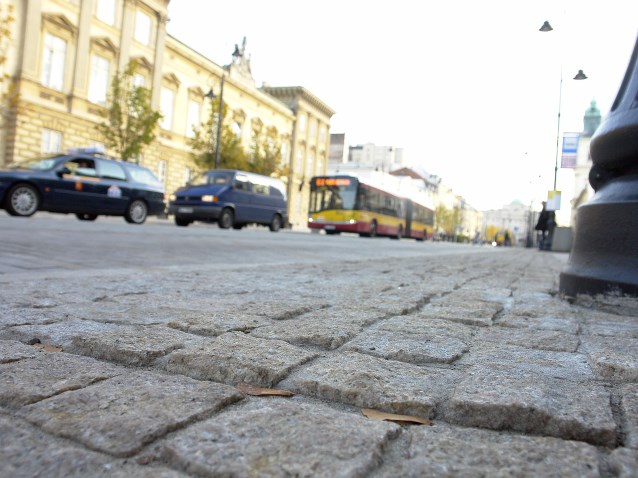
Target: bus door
[(409, 210)]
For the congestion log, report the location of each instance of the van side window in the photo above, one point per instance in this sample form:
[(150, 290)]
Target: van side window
[(275, 192), (261, 189), (241, 183)]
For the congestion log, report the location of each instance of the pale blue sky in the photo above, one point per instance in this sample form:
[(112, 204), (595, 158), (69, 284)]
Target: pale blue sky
[(468, 88)]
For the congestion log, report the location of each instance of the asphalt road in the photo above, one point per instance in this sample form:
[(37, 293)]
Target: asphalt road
[(55, 242)]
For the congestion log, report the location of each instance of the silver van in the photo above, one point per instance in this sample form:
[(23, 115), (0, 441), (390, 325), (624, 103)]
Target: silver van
[(231, 198)]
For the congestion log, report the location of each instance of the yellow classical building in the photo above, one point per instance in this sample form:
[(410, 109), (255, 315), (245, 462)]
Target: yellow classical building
[(63, 54)]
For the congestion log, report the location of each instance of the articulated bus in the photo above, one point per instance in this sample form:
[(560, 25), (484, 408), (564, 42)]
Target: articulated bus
[(344, 203)]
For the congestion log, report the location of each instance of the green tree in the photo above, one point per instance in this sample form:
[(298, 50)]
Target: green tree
[(447, 219), (265, 152), (131, 121), (204, 143)]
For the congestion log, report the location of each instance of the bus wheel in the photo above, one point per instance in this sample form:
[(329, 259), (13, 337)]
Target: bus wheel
[(373, 229)]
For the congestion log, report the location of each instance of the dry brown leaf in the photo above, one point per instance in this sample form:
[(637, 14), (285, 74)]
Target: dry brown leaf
[(259, 392), (48, 348), (391, 417)]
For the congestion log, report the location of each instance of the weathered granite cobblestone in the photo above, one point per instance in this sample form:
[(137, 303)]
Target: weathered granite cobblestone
[(278, 437), (442, 450), (120, 415), (235, 357), (33, 379), (27, 452), (370, 382), (517, 382)]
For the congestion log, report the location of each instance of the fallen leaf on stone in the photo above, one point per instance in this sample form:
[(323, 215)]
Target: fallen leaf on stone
[(47, 347), (391, 417), (259, 392)]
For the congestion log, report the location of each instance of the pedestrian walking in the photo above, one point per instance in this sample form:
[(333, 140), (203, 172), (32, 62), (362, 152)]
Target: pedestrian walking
[(546, 222)]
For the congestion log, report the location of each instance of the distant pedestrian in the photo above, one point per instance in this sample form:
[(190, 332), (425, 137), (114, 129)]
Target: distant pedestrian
[(546, 221), (508, 239)]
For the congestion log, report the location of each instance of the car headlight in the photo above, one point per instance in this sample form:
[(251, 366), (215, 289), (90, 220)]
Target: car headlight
[(172, 197), (209, 198)]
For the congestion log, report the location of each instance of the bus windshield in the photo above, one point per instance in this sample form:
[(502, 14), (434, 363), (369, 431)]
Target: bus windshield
[(332, 193)]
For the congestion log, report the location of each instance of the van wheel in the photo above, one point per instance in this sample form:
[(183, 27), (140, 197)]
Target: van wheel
[(226, 218), (180, 221), (275, 224)]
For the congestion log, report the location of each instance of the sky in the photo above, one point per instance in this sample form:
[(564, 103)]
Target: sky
[(471, 90)]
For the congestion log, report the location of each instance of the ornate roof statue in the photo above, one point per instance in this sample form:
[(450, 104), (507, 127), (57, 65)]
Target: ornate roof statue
[(240, 66)]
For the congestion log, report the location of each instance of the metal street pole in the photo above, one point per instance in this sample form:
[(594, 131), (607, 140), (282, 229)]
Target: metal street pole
[(219, 123)]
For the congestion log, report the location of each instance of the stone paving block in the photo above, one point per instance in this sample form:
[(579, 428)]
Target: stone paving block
[(476, 312), (414, 339), (612, 358), (30, 380), (58, 333), (623, 463), (630, 414), (599, 323), (236, 357), (568, 366), (540, 304), (445, 451), (216, 324), (280, 438), (370, 382), (12, 351), (531, 339), (533, 403), (326, 328), (120, 415), (27, 452), (568, 325), (131, 345)]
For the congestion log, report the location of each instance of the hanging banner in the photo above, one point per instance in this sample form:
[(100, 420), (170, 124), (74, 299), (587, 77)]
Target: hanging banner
[(570, 150)]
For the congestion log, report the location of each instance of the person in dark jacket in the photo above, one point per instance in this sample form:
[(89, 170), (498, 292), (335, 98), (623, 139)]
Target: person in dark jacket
[(546, 222)]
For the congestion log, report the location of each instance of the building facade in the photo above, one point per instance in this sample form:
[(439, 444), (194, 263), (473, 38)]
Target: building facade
[(63, 55)]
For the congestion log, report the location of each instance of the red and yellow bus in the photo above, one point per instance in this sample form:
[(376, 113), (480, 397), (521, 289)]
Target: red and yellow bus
[(345, 203)]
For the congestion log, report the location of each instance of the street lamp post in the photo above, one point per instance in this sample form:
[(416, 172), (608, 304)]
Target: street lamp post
[(546, 27), (212, 96)]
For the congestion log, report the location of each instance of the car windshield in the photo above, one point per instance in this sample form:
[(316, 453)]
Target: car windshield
[(142, 175), (40, 164), (212, 177)]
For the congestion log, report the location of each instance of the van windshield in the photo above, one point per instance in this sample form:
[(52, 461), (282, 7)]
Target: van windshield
[(212, 177)]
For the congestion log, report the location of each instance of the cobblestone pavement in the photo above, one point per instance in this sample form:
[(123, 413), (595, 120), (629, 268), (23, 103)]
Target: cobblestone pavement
[(515, 381)]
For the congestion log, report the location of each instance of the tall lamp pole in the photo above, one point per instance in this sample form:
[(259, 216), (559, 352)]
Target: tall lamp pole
[(212, 96), (579, 76)]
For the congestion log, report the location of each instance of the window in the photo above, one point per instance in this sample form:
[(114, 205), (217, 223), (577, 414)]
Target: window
[(51, 141), (302, 123), (236, 127), (139, 80), (299, 162), (99, 81), (313, 128), (161, 171), (322, 134), (309, 165), (167, 102), (143, 28), (193, 120), (110, 170), (105, 11), (53, 60)]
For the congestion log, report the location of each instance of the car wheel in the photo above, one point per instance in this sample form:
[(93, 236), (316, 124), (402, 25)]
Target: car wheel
[(275, 224), (86, 217), (23, 200), (137, 212), (180, 221), (226, 218)]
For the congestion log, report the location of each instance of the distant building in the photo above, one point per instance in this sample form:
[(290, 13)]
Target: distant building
[(513, 217), (338, 149), (381, 158)]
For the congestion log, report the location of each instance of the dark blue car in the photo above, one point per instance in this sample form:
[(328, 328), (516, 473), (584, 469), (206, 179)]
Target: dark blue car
[(232, 198), (83, 183)]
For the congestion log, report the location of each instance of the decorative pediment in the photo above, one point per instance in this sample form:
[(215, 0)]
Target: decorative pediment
[(256, 124), (172, 79), (196, 92), (59, 21), (239, 116), (105, 44), (142, 62)]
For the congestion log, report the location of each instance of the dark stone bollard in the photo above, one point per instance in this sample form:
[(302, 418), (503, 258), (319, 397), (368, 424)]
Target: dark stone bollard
[(604, 256)]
